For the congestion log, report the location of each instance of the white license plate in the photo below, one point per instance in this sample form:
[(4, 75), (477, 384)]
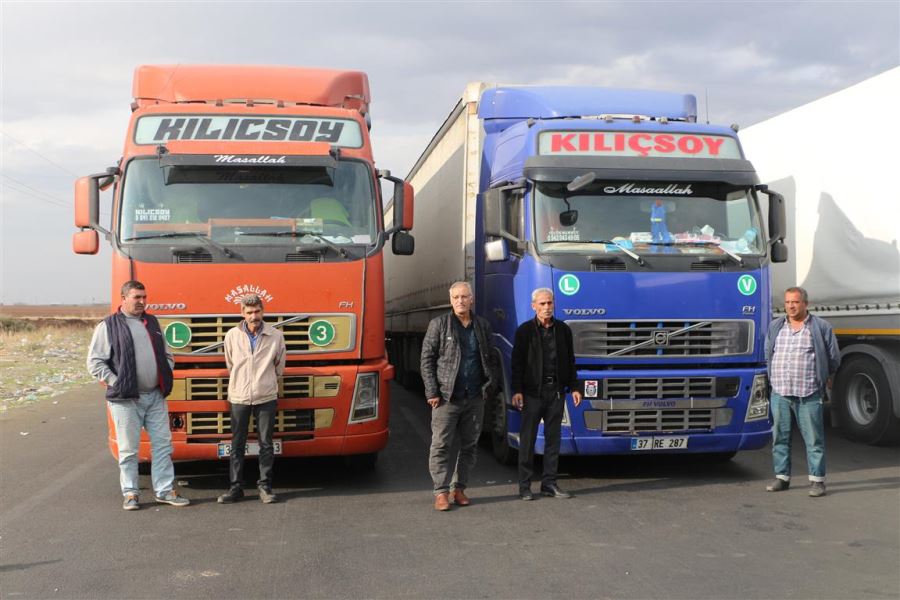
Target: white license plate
[(659, 443), (251, 449)]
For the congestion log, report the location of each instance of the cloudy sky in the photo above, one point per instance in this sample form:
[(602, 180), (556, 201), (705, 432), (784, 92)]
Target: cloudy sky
[(66, 69)]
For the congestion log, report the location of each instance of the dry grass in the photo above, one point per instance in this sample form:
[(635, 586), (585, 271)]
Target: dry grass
[(41, 361)]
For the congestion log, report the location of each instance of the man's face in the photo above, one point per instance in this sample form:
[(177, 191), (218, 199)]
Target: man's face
[(461, 299), (253, 316), (543, 306), (135, 302), (794, 306)]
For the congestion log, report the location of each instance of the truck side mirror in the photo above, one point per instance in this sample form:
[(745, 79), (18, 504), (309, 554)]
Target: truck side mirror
[(494, 212), (403, 219), (87, 202), (777, 220), (779, 252), (86, 242), (403, 243)]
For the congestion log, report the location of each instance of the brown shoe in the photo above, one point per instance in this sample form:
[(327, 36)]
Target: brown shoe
[(442, 501), (460, 499)]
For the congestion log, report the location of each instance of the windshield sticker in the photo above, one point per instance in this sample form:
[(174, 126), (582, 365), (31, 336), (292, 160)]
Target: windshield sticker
[(563, 235), (152, 215), (633, 143), (590, 388), (239, 291), (154, 129)]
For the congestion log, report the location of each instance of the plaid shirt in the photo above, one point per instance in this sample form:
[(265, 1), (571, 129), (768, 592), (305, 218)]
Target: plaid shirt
[(792, 371)]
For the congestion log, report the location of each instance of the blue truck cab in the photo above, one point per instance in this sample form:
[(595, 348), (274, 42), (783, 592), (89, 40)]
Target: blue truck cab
[(648, 228)]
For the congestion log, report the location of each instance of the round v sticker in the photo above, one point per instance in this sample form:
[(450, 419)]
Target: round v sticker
[(746, 285)]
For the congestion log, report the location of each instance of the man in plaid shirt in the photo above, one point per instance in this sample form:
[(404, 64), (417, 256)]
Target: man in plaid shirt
[(803, 355)]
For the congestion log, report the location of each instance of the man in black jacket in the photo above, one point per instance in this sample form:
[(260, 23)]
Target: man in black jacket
[(459, 371), (543, 370)]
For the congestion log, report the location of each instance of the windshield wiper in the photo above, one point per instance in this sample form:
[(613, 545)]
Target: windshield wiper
[(179, 234), (337, 249), (633, 255), (705, 243)]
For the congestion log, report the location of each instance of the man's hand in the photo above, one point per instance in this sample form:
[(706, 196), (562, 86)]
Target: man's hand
[(829, 383), (518, 401), (576, 397), (434, 402)]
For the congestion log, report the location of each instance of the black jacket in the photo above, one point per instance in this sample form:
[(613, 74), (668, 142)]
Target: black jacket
[(441, 356), (528, 363)]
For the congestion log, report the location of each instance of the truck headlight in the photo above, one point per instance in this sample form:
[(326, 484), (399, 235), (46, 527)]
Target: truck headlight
[(758, 404), (365, 398)]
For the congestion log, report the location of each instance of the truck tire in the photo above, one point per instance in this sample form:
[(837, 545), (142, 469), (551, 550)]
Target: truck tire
[(503, 452), (863, 400)]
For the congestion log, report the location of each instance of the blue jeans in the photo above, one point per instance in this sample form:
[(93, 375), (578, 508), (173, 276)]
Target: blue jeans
[(151, 413), (809, 413)]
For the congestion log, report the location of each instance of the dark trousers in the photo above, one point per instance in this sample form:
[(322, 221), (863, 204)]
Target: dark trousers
[(265, 425), (549, 407), (459, 419)]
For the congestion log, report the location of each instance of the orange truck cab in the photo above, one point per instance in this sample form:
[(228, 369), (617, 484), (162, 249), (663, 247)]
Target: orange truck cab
[(243, 180)]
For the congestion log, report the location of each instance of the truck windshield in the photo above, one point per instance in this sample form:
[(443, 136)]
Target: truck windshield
[(713, 219), (248, 205)]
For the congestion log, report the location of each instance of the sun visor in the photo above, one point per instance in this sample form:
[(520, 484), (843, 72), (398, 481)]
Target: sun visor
[(737, 172)]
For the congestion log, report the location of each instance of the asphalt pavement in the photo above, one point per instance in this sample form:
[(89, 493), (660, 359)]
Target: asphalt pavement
[(638, 526)]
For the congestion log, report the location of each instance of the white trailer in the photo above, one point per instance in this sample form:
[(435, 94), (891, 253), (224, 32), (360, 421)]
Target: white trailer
[(446, 180), (835, 162)]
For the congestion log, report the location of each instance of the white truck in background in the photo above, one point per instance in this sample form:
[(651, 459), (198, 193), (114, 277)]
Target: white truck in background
[(835, 160)]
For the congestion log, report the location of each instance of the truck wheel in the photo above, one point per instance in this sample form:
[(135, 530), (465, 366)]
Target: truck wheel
[(503, 452), (863, 399)]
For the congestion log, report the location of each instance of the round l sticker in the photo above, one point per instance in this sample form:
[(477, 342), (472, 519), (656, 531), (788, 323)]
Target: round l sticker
[(746, 285), (321, 333), (569, 284), (178, 334)]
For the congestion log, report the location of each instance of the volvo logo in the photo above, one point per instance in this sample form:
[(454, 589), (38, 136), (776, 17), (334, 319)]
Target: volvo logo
[(661, 337), (167, 306), (583, 312)]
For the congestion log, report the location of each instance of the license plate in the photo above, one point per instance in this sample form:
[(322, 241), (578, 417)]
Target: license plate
[(659, 443), (250, 449)]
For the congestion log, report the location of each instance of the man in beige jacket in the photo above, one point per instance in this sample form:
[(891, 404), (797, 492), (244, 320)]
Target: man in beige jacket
[(255, 355)]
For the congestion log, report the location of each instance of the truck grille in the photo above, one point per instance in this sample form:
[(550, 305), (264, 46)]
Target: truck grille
[(208, 332), (624, 388), (648, 339), (637, 421), (291, 386), (219, 423), (658, 388)]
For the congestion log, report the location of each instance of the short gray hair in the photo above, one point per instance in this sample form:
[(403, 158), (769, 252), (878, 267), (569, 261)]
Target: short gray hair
[(251, 300), (461, 284), (798, 290), (540, 291)]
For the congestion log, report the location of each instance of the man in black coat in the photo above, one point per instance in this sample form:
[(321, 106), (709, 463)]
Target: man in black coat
[(459, 370), (543, 371)]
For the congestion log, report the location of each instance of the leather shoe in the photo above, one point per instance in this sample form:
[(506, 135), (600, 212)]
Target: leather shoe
[(553, 491), (459, 498), (233, 494), (526, 495), (442, 501)]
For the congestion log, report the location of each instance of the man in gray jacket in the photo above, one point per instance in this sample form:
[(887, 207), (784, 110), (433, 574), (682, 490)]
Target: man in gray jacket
[(128, 354), (459, 372), (802, 354)]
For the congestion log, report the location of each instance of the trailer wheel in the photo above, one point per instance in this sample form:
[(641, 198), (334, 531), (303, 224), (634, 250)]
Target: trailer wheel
[(503, 452), (863, 400)]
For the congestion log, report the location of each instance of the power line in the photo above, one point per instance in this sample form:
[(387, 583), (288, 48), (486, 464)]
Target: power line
[(26, 146), (43, 195)]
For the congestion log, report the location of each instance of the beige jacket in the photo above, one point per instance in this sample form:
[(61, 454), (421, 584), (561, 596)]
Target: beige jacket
[(253, 376)]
